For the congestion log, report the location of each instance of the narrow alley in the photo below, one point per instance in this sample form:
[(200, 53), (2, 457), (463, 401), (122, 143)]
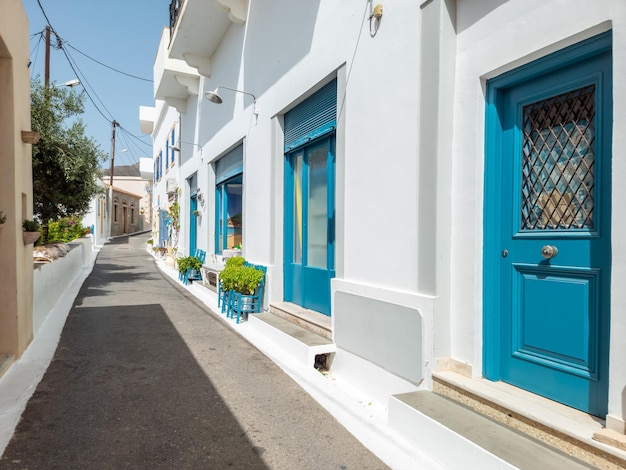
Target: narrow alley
[(145, 376)]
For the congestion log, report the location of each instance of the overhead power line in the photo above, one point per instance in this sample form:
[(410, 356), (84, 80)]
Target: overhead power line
[(107, 66), (61, 43)]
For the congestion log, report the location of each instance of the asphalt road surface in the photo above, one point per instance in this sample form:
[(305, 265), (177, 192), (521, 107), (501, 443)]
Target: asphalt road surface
[(147, 377)]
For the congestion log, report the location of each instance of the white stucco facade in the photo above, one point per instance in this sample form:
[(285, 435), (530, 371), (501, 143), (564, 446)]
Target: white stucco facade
[(409, 188)]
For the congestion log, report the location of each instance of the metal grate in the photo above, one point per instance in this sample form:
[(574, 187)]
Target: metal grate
[(558, 162)]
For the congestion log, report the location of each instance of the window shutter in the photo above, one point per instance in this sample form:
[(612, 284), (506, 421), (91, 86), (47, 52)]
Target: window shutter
[(229, 165), (314, 117)]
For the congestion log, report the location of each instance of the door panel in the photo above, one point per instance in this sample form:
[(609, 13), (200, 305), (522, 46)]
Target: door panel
[(309, 223), (163, 228), (554, 225), (538, 320)]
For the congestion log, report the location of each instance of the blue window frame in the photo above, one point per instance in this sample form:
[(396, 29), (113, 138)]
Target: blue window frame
[(229, 200), (229, 214), (171, 144)]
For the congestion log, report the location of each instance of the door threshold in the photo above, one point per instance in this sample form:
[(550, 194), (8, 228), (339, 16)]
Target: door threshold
[(311, 320), (572, 431)]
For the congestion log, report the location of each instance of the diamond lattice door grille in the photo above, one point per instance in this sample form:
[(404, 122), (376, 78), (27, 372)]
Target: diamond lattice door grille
[(558, 162)]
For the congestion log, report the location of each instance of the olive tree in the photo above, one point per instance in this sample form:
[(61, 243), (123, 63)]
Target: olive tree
[(65, 161)]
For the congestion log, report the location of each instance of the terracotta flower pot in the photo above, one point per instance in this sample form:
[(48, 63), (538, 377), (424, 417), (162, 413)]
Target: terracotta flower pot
[(30, 237)]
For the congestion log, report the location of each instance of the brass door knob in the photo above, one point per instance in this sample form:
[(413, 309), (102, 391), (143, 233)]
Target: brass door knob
[(549, 251)]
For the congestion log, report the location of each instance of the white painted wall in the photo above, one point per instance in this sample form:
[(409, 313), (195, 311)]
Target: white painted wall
[(51, 280), (167, 117), (393, 244), (282, 62), (285, 61)]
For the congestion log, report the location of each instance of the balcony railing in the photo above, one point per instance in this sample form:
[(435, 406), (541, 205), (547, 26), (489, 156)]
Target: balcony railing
[(175, 7)]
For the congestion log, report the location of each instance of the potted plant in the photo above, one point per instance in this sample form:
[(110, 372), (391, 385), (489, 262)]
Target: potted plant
[(192, 264), (239, 277), (31, 231), (247, 279), (241, 289)]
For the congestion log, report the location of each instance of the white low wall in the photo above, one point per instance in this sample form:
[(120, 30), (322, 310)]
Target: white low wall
[(50, 280)]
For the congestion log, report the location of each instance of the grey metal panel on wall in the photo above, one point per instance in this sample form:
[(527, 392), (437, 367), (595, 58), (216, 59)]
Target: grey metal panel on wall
[(383, 333)]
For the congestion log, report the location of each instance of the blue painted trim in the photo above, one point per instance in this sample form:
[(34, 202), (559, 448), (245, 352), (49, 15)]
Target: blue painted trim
[(171, 143), (218, 227), (193, 224), (491, 217), (331, 205), (317, 133), (288, 229), (557, 60), (492, 207)]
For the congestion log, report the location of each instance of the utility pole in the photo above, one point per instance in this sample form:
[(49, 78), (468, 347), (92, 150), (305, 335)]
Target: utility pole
[(114, 124), (47, 68)]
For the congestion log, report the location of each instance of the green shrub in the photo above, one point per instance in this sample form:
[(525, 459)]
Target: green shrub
[(235, 261), (240, 278), (65, 230), (150, 241), (188, 262)]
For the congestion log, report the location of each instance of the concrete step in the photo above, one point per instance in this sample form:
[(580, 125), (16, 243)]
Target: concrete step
[(459, 437), (563, 428), (305, 346), (311, 320)]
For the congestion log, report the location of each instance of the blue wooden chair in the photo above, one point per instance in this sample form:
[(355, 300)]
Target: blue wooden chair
[(223, 299), (184, 277), (201, 255), (240, 305)]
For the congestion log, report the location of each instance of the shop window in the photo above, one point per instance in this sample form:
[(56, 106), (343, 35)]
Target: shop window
[(229, 200)]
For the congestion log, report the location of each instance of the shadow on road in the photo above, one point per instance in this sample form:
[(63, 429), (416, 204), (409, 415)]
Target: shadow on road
[(124, 391)]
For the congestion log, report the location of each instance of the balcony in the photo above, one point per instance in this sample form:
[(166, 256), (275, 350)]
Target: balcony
[(198, 26), (175, 7), (174, 80)]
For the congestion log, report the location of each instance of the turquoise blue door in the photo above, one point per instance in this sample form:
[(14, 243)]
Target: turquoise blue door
[(164, 237), (310, 224), (548, 196), (193, 224)]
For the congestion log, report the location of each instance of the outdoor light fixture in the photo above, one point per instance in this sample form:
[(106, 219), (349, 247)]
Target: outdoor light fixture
[(176, 147), (214, 97), (70, 83)]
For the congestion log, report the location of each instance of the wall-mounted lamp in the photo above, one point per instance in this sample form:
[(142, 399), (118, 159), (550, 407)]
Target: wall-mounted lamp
[(214, 97), (200, 197), (176, 147), (376, 15)]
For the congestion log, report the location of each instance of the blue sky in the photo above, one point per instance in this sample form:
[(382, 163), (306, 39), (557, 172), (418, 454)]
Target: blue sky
[(122, 34)]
